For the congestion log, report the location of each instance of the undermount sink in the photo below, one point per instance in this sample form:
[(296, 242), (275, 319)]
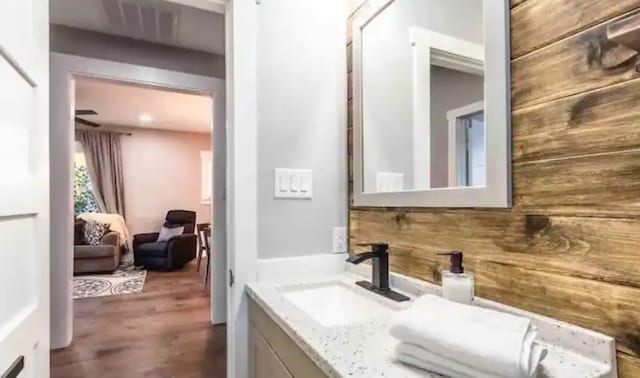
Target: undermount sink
[(336, 303)]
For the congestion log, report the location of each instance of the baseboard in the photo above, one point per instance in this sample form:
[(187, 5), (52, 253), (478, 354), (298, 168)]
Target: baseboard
[(300, 266)]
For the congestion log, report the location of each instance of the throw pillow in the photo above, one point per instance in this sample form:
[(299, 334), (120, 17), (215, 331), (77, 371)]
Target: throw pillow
[(94, 231), (167, 233), (78, 232)]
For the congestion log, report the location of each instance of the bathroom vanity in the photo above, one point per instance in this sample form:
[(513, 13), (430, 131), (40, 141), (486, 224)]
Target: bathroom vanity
[(273, 354), (551, 253), (329, 326), (430, 128)]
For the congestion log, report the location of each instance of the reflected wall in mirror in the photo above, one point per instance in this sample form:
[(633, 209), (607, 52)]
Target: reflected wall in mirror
[(423, 121), (431, 103)]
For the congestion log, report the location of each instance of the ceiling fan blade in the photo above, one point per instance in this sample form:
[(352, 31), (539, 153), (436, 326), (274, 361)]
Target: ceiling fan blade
[(86, 123), (81, 112)]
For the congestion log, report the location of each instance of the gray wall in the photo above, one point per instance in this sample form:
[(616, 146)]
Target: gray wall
[(301, 122), (388, 77), (72, 41), (450, 89)]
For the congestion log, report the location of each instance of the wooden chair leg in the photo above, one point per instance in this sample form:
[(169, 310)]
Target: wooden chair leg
[(198, 258), (206, 277)]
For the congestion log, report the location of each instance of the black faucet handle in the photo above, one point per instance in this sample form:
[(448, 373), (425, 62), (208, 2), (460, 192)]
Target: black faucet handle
[(376, 247)]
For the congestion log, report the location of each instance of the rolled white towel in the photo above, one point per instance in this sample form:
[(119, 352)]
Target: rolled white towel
[(489, 341)]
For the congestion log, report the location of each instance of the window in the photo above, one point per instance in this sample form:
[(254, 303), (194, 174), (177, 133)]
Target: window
[(206, 168), (467, 150), (472, 166), (83, 198)]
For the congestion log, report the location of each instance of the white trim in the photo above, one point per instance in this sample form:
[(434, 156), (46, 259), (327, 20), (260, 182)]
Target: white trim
[(454, 140), (305, 267), (217, 6), (63, 69), (449, 52), (497, 192), (241, 24), (421, 117)]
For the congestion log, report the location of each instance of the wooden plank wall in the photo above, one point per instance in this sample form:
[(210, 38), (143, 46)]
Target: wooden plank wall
[(570, 246)]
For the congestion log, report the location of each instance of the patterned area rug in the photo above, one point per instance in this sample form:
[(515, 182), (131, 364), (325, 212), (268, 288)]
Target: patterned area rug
[(125, 280)]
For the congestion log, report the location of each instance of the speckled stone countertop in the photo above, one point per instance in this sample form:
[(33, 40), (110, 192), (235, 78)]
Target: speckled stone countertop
[(365, 349)]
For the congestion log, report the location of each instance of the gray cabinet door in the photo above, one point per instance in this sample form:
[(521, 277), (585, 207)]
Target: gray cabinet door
[(266, 363)]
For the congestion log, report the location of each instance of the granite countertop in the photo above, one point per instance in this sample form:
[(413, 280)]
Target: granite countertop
[(365, 349)]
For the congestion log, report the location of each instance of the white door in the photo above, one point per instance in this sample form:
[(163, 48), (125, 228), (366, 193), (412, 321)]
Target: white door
[(24, 188)]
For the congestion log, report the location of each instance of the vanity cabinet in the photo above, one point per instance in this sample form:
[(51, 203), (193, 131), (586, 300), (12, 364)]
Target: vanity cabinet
[(266, 362), (272, 353)]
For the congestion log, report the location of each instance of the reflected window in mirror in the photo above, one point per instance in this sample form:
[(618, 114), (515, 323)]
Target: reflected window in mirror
[(467, 146)]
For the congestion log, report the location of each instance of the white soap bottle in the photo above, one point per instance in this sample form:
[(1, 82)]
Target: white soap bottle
[(457, 285)]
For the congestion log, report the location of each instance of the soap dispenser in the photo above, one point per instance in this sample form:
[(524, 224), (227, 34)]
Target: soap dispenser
[(457, 286)]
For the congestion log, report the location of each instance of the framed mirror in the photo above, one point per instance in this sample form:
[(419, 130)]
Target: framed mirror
[(431, 104)]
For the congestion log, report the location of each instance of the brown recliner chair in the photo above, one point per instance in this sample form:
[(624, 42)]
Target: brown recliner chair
[(104, 257), (171, 254)]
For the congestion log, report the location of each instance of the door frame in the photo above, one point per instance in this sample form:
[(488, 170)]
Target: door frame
[(241, 41), (429, 49), (64, 68)]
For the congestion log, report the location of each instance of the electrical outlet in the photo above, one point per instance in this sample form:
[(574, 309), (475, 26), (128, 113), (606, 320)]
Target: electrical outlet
[(339, 239)]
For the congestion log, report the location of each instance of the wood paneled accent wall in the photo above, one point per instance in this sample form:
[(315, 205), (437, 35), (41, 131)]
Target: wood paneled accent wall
[(570, 246)]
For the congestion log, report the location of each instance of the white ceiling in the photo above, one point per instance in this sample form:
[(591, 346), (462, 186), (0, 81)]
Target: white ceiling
[(191, 27), (121, 104)]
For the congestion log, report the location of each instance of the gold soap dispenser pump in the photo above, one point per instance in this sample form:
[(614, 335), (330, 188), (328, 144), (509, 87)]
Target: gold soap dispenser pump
[(457, 285)]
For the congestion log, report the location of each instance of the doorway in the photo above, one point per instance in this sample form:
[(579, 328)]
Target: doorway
[(65, 70)]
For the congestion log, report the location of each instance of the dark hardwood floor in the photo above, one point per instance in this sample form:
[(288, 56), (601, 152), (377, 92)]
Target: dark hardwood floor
[(163, 332)]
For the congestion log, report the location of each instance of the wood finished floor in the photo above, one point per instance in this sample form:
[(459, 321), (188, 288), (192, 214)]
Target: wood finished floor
[(164, 332)]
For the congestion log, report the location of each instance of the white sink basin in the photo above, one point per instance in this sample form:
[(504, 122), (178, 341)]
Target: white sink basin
[(336, 304)]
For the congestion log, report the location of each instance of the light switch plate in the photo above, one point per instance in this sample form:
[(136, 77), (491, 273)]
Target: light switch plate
[(339, 240), (293, 183), (389, 182)]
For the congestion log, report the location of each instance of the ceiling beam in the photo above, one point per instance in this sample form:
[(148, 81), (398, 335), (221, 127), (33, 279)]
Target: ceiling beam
[(217, 6)]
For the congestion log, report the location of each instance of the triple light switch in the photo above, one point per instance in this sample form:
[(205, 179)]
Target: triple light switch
[(293, 183)]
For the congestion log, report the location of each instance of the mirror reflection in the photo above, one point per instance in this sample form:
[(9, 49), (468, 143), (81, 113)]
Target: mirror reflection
[(423, 124)]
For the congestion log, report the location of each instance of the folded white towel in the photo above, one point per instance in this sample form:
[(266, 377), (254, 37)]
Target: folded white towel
[(419, 357), (489, 341)]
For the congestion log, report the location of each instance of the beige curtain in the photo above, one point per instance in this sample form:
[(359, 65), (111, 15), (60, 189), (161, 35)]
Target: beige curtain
[(104, 162)]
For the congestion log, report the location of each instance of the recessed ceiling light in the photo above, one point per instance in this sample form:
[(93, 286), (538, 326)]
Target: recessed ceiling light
[(145, 118)]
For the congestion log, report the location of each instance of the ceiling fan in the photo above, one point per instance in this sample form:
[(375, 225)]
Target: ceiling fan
[(85, 112)]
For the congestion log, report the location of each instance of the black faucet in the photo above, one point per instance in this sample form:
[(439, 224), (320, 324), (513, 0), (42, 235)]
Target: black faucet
[(380, 273)]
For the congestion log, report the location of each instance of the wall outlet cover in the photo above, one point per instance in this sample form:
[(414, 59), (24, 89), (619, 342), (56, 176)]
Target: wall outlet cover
[(339, 240)]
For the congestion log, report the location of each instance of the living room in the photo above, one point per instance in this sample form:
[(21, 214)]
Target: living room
[(142, 185), (142, 203)]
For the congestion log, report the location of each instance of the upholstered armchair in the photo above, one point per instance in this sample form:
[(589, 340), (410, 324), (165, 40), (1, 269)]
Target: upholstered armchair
[(104, 257), (173, 253)]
